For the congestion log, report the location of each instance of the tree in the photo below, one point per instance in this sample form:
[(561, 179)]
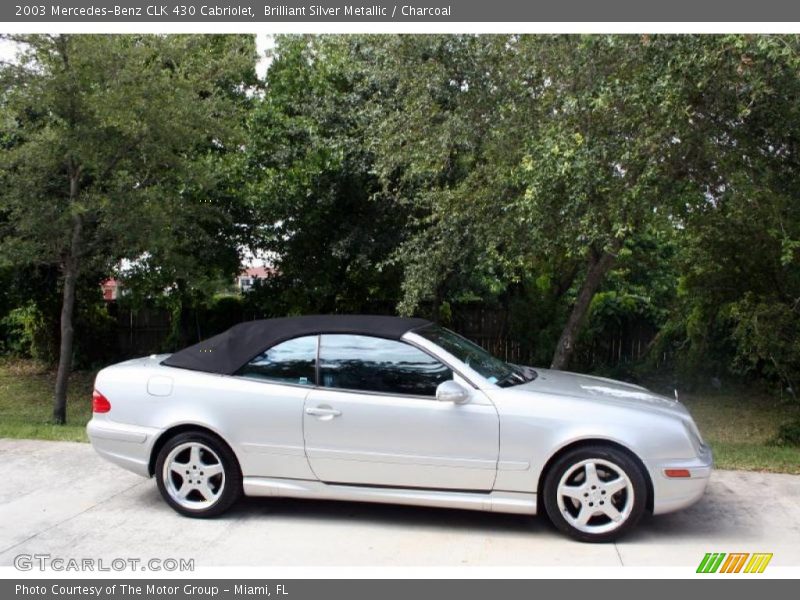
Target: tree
[(548, 154), (606, 158), (109, 151), (326, 221), (739, 305), (527, 150)]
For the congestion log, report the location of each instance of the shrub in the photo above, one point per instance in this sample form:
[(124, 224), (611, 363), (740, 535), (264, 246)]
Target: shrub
[(767, 336), (789, 434), (29, 334), (95, 336)]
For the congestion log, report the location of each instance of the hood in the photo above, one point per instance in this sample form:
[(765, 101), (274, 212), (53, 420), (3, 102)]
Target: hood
[(600, 389)]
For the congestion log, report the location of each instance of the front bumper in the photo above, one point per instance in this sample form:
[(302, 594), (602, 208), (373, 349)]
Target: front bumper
[(675, 493), (128, 446)]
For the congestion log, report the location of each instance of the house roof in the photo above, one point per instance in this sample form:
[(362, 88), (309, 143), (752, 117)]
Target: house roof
[(256, 272), (228, 351)]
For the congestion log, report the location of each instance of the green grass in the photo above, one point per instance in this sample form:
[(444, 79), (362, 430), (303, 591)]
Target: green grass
[(739, 425), (26, 402)]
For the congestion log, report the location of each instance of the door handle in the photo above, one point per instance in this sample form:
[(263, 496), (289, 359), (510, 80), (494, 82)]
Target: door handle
[(322, 411)]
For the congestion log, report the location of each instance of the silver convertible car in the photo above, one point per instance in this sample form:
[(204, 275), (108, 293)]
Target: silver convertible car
[(397, 410)]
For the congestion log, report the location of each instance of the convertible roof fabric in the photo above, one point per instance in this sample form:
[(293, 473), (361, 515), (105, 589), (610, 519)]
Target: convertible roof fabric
[(228, 351)]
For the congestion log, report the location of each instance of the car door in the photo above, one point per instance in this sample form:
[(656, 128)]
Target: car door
[(264, 402), (373, 419)]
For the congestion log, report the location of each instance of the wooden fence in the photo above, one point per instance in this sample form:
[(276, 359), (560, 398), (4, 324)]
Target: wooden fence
[(147, 330)]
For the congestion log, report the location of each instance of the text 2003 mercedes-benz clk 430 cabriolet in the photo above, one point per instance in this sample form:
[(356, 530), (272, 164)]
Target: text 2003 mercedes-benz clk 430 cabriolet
[(388, 409)]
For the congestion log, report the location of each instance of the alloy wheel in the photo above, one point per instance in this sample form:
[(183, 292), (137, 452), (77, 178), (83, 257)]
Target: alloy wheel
[(595, 496), (193, 475)]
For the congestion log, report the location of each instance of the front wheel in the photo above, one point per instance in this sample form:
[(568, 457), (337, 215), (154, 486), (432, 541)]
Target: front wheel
[(198, 475), (595, 493)]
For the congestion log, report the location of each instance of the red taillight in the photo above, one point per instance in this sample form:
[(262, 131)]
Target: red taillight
[(100, 403), (677, 473)]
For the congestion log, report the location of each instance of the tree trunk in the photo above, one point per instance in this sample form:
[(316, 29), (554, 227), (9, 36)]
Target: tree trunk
[(71, 268), (599, 266)]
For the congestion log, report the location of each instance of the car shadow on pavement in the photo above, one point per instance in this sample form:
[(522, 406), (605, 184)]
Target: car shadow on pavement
[(390, 515), (718, 514), (715, 516)]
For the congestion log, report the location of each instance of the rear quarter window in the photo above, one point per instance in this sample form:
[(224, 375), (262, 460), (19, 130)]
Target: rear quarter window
[(293, 361)]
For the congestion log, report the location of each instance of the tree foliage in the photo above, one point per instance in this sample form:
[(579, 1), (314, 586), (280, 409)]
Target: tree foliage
[(550, 156), (576, 184), (325, 221), (110, 148)]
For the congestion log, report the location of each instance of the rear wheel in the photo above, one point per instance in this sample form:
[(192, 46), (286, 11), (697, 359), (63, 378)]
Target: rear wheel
[(595, 493), (198, 475)]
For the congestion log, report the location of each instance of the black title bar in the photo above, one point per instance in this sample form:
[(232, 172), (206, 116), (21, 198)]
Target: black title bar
[(266, 11)]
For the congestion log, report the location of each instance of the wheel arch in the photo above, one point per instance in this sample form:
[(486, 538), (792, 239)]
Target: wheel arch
[(582, 443), (174, 430)]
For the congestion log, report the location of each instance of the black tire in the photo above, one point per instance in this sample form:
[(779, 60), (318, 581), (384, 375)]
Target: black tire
[(569, 462), (230, 482)]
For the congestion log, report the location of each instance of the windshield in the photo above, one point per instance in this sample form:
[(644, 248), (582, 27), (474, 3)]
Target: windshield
[(475, 357)]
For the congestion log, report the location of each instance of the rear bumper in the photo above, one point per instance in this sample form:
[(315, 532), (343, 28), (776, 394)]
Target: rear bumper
[(128, 446), (675, 493)]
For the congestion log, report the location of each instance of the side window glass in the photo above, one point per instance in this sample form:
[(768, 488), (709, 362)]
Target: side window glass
[(357, 362), (293, 361)]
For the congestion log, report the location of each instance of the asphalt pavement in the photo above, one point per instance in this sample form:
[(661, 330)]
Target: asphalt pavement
[(61, 498)]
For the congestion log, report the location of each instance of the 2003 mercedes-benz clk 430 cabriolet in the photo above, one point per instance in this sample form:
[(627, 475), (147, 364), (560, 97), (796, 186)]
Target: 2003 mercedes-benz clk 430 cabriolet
[(398, 410)]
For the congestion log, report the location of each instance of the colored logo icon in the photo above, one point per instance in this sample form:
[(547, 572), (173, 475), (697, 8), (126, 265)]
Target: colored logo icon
[(734, 562)]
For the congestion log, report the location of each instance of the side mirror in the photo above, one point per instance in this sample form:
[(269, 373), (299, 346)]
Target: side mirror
[(450, 391)]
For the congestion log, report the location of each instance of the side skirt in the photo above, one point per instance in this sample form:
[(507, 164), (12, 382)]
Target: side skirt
[(497, 501)]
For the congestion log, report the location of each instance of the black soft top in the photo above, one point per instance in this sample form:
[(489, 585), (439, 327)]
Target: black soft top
[(228, 351)]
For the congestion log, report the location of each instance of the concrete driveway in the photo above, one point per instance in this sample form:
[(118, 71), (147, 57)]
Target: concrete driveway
[(60, 498)]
